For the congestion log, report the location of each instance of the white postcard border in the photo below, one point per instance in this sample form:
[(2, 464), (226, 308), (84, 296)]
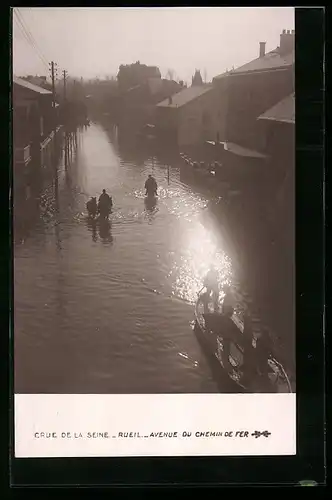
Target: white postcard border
[(154, 425)]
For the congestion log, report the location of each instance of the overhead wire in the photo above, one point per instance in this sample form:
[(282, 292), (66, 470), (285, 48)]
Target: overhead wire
[(27, 35), (33, 41), (56, 66), (29, 38)]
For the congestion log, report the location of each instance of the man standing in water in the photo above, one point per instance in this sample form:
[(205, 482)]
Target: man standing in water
[(212, 286), (151, 186), (105, 204), (228, 304)]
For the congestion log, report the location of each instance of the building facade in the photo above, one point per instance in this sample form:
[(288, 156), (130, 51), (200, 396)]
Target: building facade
[(35, 129), (277, 125), (248, 91), (34, 118), (188, 118)]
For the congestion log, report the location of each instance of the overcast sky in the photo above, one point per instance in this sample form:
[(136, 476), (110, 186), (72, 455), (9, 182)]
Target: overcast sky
[(91, 42)]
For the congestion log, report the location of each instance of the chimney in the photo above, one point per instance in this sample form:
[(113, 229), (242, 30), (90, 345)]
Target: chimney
[(262, 49), (287, 42)]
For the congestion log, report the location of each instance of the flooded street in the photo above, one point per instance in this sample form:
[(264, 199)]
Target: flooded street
[(109, 309)]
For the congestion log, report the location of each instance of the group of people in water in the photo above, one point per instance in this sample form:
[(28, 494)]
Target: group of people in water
[(104, 206)]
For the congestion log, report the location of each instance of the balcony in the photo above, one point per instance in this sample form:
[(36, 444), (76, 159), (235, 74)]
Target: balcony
[(22, 155)]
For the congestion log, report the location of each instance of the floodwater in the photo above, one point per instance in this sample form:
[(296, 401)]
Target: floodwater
[(109, 308)]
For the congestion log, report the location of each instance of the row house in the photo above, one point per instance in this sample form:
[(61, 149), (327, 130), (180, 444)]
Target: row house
[(188, 118), (35, 127), (34, 120), (278, 127), (246, 93)]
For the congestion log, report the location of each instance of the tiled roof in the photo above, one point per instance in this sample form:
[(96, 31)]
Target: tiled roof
[(272, 60), (30, 86), (283, 111), (185, 96)]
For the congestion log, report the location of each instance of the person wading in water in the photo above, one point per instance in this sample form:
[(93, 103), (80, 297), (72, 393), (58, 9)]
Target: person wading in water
[(151, 186), (105, 204), (92, 207)]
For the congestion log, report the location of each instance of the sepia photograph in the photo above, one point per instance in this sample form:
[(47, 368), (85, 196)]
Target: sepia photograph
[(153, 201)]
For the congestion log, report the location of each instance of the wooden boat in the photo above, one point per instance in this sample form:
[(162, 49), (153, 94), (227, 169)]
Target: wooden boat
[(273, 380)]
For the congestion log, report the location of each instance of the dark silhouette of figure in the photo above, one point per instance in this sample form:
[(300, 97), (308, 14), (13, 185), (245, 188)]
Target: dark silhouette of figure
[(228, 302), (151, 186), (92, 207), (105, 204), (263, 351), (249, 358), (212, 286), (224, 327)]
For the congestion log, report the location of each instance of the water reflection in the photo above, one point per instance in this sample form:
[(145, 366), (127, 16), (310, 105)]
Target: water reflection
[(151, 208), (150, 203), (105, 231), (101, 228), (201, 251), (92, 227)]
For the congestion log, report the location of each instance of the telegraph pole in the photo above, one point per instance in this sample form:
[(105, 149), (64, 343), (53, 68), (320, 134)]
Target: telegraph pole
[(65, 115), (53, 70), (53, 79)]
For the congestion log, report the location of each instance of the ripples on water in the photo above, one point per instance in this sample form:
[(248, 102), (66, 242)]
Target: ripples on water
[(108, 307)]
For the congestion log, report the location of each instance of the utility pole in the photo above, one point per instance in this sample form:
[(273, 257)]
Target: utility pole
[(65, 116), (52, 78), (53, 71)]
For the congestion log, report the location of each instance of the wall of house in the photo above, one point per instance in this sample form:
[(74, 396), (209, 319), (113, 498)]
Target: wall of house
[(47, 115), (197, 121), (249, 95), (221, 105), (134, 107), (278, 139), (166, 121), (33, 117)]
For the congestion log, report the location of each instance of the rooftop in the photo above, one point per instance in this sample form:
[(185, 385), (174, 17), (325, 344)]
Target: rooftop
[(272, 60), (283, 111), (30, 86), (185, 96)]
